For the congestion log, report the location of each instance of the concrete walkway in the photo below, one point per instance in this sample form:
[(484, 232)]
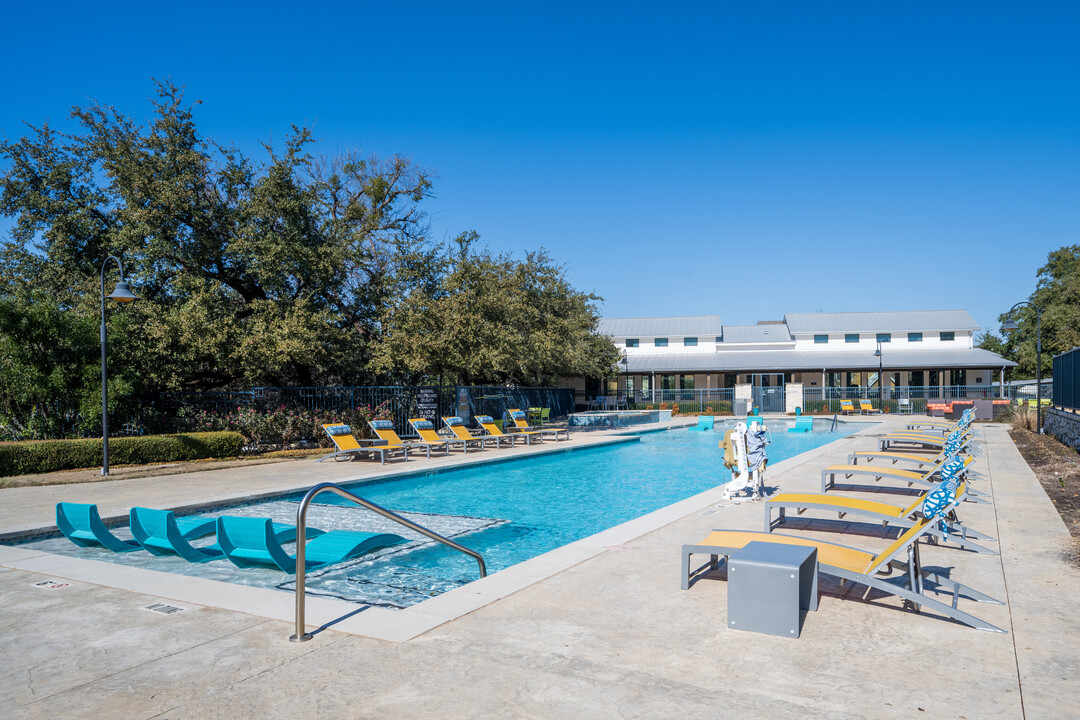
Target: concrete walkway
[(600, 629)]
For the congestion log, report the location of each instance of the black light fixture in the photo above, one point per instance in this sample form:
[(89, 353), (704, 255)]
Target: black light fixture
[(121, 294), (1009, 326)]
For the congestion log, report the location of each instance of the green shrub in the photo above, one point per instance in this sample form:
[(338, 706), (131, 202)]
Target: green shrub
[(40, 456), (279, 428)]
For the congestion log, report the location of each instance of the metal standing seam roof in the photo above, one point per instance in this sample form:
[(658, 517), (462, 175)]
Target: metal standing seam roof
[(703, 326), (785, 360), (756, 333), (904, 321)]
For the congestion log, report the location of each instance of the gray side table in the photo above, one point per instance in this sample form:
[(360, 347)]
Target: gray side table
[(771, 586)]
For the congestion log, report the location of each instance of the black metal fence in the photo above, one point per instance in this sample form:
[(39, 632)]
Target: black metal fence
[(718, 401), (398, 403), (180, 411), (1066, 391)]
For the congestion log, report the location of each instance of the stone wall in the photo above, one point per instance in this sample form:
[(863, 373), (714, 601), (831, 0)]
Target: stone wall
[(793, 397), (1064, 425)]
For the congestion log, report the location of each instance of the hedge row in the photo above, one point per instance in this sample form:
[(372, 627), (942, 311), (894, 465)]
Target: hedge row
[(40, 456)]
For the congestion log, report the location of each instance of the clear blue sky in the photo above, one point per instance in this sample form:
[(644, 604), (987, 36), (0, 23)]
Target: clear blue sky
[(742, 159)]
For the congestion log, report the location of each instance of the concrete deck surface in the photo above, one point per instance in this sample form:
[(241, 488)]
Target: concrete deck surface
[(610, 635)]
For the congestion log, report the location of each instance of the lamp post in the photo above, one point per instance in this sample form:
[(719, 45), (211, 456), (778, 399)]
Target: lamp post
[(1011, 325), (880, 377), (122, 294), (626, 383)]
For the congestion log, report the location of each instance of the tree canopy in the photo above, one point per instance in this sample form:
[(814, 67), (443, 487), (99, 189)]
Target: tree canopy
[(1057, 295), (293, 270), (493, 320)]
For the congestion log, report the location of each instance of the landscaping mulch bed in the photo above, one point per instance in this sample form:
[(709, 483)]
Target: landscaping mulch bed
[(1058, 468)]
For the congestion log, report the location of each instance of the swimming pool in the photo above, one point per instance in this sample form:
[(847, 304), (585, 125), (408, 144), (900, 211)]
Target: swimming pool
[(507, 511)]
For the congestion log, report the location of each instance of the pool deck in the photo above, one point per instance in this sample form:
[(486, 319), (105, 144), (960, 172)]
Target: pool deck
[(598, 628)]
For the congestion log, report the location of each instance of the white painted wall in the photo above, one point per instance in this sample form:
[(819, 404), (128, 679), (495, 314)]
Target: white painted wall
[(930, 341)]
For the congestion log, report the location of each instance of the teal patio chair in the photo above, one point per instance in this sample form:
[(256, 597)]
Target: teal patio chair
[(250, 542)]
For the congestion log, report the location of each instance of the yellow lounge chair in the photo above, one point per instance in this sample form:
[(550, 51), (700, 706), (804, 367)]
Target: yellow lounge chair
[(347, 444), (857, 566), (488, 423), (426, 430), (919, 459), (847, 407), (883, 472), (867, 408), (521, 425), (900, 515), (457, 426), (930, 425), (928, 440), (944, 427), (384, 429)]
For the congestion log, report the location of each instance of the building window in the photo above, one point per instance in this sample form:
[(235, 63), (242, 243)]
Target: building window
[(914, 337), (689, 342), (821, 339), (948, 336), (851, 338), (660, 342), (686, 382), (884, 337), (667, 382), (958, 377), (632, 342)]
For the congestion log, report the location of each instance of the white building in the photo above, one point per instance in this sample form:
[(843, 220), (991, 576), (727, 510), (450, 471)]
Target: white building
[(923, 354)]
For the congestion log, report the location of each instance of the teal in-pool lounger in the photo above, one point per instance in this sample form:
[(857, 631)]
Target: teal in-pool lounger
[(249, 542), (82, 525), (803, 424), (160, 532)]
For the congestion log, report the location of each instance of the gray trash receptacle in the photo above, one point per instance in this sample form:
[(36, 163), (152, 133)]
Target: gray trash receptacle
[(770, 587)]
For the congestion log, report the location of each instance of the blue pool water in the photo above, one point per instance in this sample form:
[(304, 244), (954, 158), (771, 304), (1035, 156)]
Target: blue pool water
[(509, 512)]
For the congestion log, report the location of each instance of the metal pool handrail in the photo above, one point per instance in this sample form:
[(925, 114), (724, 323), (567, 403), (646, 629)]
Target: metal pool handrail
[(301, 541)]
